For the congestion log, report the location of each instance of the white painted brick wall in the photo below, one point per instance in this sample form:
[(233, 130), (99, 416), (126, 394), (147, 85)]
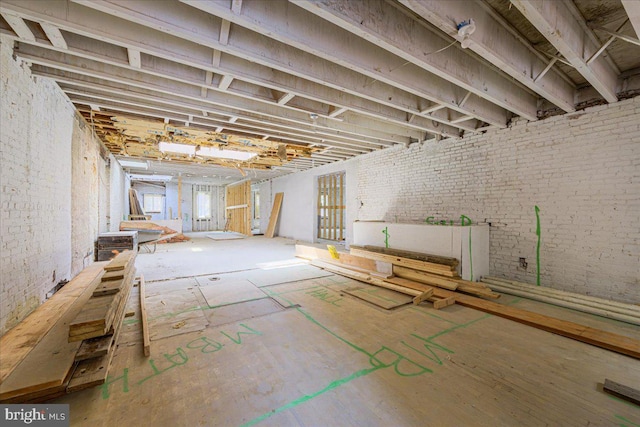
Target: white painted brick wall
[(90, 194), (36, 124), (41, 141), (581, 169)]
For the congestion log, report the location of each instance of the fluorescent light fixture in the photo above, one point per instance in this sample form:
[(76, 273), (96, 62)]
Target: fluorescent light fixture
[(159, 178), (177, 148), (226, 154), (133, 164)]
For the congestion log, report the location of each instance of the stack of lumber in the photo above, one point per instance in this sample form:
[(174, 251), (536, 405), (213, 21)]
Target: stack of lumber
[(134, 204), (427, 269), (148, 225), (39, 362), (623, 312), (36, 359), (610, 341)]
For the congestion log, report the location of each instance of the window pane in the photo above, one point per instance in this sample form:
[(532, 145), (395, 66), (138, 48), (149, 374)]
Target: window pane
[(203, 205), (152, 203)]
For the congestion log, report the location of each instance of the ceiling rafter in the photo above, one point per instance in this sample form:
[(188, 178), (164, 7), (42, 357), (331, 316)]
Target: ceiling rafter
[(568, 33), (297, 30), (494, 41), (365, 99), (397, 33)]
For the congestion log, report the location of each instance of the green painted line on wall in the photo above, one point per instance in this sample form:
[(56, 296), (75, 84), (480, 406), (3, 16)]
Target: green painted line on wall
[(538, 233)]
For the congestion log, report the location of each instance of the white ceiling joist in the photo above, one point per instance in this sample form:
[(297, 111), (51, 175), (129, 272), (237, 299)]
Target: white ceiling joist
[(220, 99), (18, 26), (299, 31), (633, 10), (54, 35), (559, 24), (494, 41), (325, 82), (398, 33)]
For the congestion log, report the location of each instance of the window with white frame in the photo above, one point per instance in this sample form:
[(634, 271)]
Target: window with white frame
[(153, 203), (203, 205)]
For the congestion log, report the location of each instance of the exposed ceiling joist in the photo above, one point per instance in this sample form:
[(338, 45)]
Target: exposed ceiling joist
[(18, 26), (633, 11), (568, 33), (494, 41), (340, 78), (54, 35), (297, 31), (397, 33)]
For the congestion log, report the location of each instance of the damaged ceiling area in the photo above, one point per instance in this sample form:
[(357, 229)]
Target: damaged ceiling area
[(291, 85)]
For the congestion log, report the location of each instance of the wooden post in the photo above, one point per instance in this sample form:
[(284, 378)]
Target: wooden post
[(180, 197)]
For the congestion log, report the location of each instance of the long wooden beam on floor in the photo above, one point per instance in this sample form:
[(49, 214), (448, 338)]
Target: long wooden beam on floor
[(608, 340), (146, 341), (16, 344), (597, 337)]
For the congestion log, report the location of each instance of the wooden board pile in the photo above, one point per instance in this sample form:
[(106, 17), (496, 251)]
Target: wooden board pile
[(407, 272), (44, 357), (149, 225), (373, 269)]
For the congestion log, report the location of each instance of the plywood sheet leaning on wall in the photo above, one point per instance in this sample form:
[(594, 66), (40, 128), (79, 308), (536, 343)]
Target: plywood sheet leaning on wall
[(275, 212), (238, 208)]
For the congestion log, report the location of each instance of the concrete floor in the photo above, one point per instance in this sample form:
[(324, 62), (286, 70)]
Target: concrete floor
[(238, 342)]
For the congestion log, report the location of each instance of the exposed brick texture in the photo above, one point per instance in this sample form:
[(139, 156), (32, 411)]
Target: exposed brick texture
[(53, 189), (582, 170)]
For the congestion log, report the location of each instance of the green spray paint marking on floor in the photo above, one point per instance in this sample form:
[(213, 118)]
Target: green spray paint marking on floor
[(625, 422), (308, 397), (375, 362), (538, 232)]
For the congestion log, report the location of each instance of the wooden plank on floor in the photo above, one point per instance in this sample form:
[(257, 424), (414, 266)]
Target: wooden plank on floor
[(312, 252), (146, 341), (622, 391), (379, 300), (120, 261), (50, 360), (93, 372), (597, 337), (436, 259), (18, 342), (610, 341), (275, 212), (440, 269)]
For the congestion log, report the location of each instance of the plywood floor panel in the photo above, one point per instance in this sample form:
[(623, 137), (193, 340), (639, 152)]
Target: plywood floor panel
[(333, 360), (231, 292)]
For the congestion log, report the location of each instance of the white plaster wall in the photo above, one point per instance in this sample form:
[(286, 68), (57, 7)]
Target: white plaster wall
[(299, 204)]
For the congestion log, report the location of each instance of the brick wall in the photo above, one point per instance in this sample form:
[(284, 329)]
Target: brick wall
[(582, 170), (89, 194), (41, 142)]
